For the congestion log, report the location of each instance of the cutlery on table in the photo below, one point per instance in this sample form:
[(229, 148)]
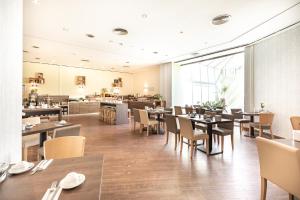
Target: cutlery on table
[(56, 192), (38, 167), (50, 190)]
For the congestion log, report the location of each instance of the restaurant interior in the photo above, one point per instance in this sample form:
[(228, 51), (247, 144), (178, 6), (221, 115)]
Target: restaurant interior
[(150, 99)]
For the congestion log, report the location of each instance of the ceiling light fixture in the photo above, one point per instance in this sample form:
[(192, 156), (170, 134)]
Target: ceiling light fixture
[(37, 58), (36, 47), (120, 31), (90, 35), (24, 51), (36, 1), (144, 15), (155, 52), (181, 32), (85, 60), (221, 19)]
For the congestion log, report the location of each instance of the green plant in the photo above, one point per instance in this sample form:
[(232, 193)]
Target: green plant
[(158, 96), (213, 105)]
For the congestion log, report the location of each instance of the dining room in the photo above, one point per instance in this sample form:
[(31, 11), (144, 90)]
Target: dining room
[(142, 99)]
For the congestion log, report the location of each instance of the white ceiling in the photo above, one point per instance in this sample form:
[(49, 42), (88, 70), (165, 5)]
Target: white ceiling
[(159, 31)]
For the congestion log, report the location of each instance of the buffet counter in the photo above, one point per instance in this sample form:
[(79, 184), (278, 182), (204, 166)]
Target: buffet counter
[(83, 107)]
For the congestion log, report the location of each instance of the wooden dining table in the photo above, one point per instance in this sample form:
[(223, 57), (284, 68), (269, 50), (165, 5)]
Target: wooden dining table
[(31, 187), (209, 123), (43, 128), (251, 115), (158, 114), (31, 112)]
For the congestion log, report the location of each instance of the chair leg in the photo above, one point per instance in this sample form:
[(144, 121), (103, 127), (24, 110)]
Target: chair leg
[(291, 197), (241, 128), (167, 137), (263, 189), (271, 132), (141, 128), (175, 141), (133, 126), (192, 148), (179, 137), (232, 142), (222, 143), (148, 127), (207, 146), (25, 153), (181, 142), (218, 138)]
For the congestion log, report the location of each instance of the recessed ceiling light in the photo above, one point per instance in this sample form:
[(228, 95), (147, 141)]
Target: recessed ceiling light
[(37, 58), (120, 31), (36, 47), (144, 15), (194, 53), (127, 62), (24, 51), (110, 41), (126, 66), (155, 52), (90, 35), (181, 32), (121, 44), (85, 60), (221, 19)]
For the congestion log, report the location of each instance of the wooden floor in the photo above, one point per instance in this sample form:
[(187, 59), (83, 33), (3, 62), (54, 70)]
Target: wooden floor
[(141, 167)]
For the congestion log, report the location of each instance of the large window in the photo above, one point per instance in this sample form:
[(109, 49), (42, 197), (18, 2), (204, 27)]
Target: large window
[(209, 81)]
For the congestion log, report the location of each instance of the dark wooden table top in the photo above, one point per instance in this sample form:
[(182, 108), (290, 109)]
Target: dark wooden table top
[(203, 121), (25, 186), (41, 109), (249, 113), (289, 142), (158, 111), (44, 127)]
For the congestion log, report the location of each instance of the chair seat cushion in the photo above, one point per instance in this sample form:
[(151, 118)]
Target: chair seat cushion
[(242, 120), (222, 131), (257, 125), (30, 140), (199, 135)]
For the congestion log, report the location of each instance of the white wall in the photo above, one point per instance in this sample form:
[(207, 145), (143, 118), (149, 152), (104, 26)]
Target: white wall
[(147, 77), (61, 80), (276, 77), (11, 12)]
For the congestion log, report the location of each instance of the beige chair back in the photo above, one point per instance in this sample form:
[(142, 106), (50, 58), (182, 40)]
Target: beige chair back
[(280, 164), (237, 113), (64, 147), (136, 115), (144, 117), (295, 121), (266, 118), (67, 131), (186, 128), (171, 123), (32, 120), (178, 110), (227, 125)]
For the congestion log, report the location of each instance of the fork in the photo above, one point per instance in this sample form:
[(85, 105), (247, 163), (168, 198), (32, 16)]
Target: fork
[(38, 167), (52, 189)]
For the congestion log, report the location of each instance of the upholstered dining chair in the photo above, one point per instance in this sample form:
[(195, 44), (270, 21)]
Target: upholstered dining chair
[(280, 164), (178, 110), (224, 129), (186, 131), (64, 147), (136, 117), (295, 121), (188, 110), (145, 121), (239, 118), (30, 140), (172, 128), (265, 123)]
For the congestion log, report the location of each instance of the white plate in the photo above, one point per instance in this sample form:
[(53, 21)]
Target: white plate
[(18, 168), (3, 167), (72, 180)]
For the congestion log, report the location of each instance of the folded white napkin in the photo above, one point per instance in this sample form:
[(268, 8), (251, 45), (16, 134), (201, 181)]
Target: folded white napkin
[(49, 194)]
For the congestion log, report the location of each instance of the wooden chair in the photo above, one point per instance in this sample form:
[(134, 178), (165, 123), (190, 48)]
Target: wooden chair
[(188, 110), (295, 121), (178, 110), (136, 117), (145, 121), (265, 123), (224, 129), (172, 128), (64, 147), (30, 140), (186, 131), (279, 164), (239, 118)]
